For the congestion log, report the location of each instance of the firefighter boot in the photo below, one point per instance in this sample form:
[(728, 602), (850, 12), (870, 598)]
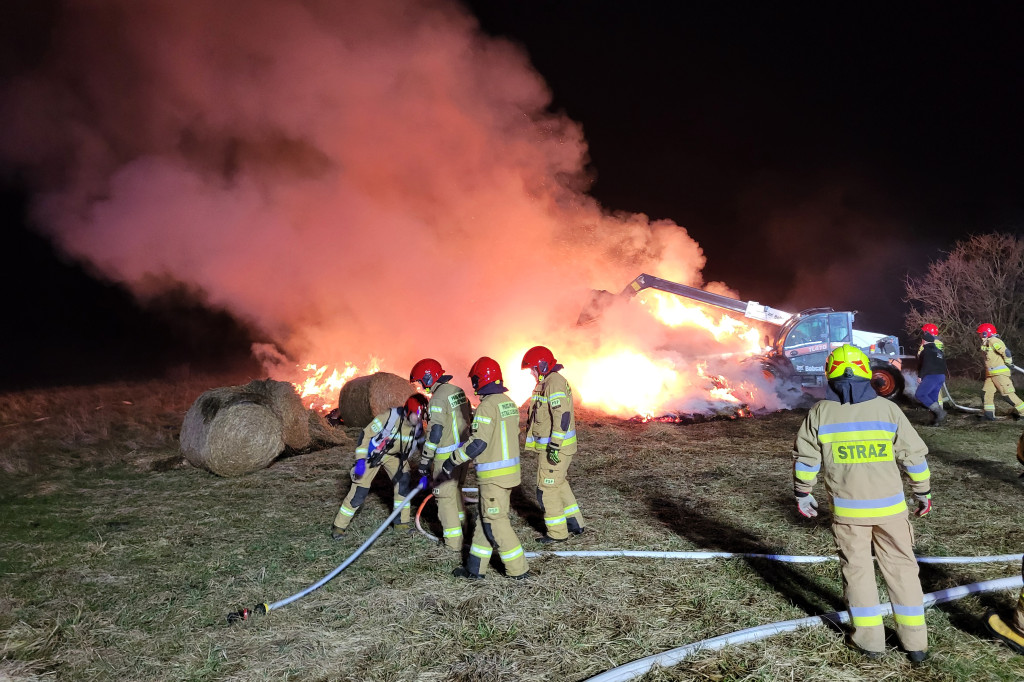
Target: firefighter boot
[(337, 533), (990, 416), (1009, 636), (940, 414)]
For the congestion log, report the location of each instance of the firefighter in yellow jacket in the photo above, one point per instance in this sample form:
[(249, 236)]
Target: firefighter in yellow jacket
[(859, 443), (998, 365), (449, 428), (551, 432), (494, 447), (387, 442)]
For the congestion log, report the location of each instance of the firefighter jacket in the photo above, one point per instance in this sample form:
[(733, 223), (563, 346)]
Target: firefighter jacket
[(390, 433), (494, 443), (931, 359), (449, 420), (998, 358), (552, 420), (859, 448)]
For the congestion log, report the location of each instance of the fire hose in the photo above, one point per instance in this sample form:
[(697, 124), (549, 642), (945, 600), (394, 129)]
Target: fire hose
[(964, 408), (264, 608), (635, 669)]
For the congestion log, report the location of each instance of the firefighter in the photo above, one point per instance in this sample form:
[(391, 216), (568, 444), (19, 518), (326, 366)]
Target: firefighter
[(859, 442), (386, 442), (998, 364), (551, 432), (494, 447), (931, 370), (449, 416), (1010, 631)]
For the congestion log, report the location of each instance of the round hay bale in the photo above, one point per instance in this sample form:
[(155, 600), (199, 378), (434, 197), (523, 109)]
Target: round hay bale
[(288, 405), (363, 398), (230, 431)]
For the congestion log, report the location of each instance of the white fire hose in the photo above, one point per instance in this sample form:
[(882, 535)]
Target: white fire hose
[(964, 408), (635, 669)]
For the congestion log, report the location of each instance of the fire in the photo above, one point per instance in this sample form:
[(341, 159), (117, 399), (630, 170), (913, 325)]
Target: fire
[(319, 389), (672, 311)]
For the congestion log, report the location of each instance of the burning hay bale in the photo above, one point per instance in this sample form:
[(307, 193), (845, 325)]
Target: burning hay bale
[(362, 398), (232, 431)]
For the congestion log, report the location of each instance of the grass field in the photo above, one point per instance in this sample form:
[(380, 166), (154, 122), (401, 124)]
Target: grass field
[(117, 561)]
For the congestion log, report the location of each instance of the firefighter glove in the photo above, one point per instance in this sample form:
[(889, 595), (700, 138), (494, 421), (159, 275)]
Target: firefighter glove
[(806, 505), (553, 454), (448, 467), (359, 469), (924, 503), (424, 467)]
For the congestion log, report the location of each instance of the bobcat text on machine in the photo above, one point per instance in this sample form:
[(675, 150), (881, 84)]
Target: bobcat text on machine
[(796, 356)]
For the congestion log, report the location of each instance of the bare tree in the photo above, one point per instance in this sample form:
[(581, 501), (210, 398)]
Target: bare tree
[(980, 280)]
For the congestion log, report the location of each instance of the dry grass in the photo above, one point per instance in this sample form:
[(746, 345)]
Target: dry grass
[(112, 568)]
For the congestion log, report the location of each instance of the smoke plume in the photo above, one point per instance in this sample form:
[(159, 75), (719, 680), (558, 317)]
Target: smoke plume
[(356, 179)]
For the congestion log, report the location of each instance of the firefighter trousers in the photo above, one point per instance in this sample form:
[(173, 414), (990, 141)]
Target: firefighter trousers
[(561, 512), (1003, 384), (894, 549), (494, 531), (398, 471), (451, 511)]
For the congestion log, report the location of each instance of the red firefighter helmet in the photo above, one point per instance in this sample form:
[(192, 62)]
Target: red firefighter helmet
[(427, 371), (930, 329), (415, 404), (986, 330), (540, 359), (483, 372)]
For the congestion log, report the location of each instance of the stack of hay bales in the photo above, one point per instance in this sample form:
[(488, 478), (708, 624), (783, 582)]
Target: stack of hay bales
[(236, 430), (363, 398)]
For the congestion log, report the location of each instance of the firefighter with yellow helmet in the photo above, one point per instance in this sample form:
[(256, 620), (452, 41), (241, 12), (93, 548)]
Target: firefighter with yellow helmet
[(387, 442), (859, 443), (551, 432), (494, 447), (449, 428), (998, 365)]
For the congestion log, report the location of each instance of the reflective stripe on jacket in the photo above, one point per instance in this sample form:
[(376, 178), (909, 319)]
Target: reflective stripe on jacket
[(997, 356), (859, 450), (551, 399), (496, 423), (448, 407)]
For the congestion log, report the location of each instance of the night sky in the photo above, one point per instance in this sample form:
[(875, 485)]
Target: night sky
[(818, 154)]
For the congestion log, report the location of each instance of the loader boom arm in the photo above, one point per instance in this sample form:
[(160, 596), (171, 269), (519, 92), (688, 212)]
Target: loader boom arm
[(750, 309)]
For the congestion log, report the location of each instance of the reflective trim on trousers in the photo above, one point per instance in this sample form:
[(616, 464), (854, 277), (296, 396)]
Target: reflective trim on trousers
[(346, 511), (453, 532), (865, 616), (572, 510), (511, 554), (483, 553), (908, 615)]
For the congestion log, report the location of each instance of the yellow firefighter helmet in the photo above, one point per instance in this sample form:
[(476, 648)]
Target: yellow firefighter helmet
[(848, 360)]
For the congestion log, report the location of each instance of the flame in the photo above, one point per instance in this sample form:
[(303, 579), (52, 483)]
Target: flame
[(319, 386), (621, 378)]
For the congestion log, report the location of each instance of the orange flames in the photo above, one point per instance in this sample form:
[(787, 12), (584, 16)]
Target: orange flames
[(620, 378), (319, 389)]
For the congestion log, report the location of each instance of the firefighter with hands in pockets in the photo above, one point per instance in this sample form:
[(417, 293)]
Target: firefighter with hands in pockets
[(859, 443)]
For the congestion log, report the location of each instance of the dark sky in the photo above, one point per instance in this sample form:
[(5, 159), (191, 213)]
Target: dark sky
[(818, 153), (789, 137)]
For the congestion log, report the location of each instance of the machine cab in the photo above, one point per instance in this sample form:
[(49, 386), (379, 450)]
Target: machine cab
[(807, 339)]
